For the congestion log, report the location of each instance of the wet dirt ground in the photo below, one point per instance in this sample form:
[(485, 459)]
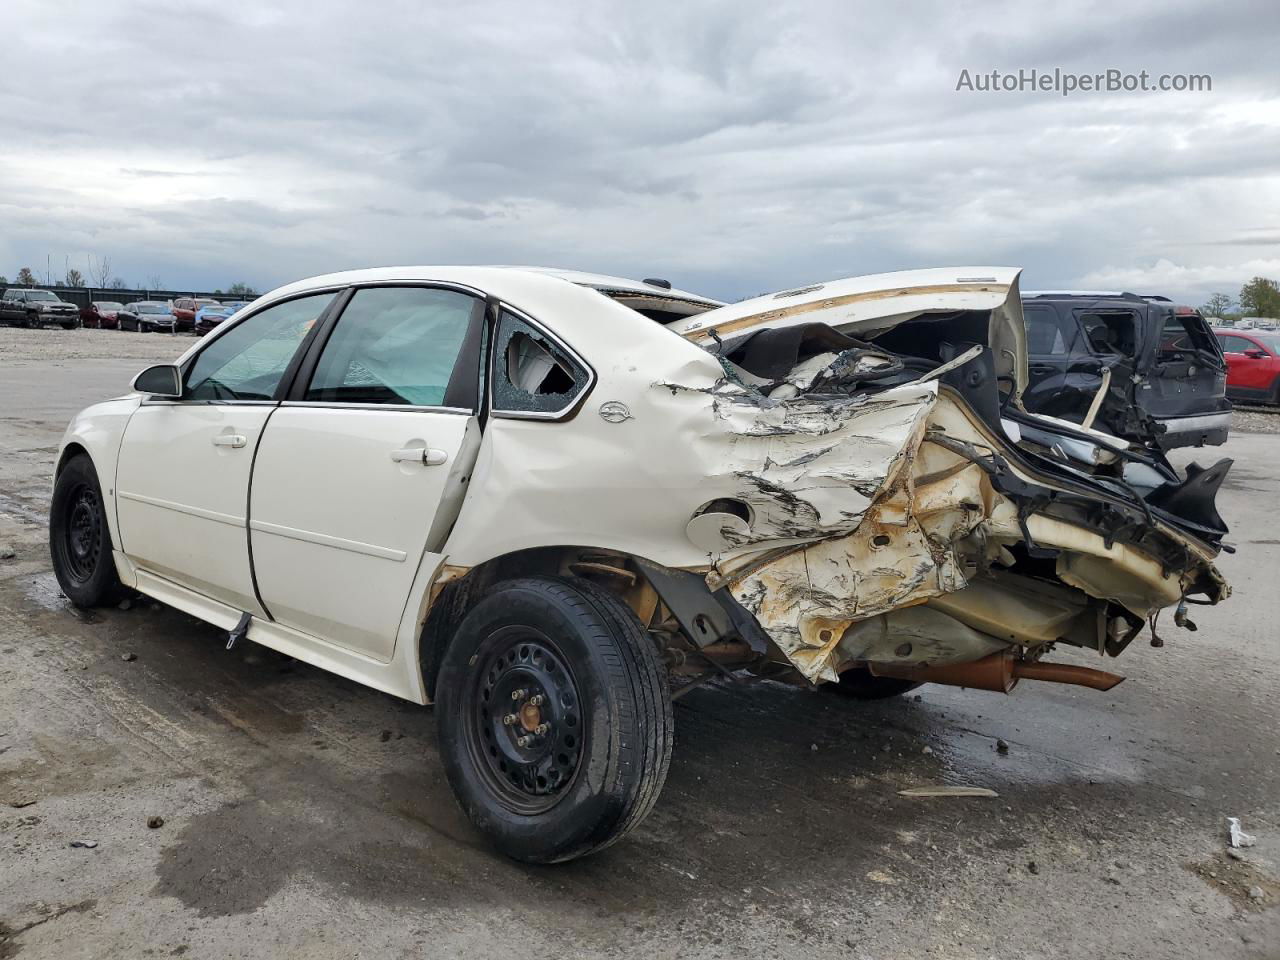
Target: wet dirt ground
[(305, 816)]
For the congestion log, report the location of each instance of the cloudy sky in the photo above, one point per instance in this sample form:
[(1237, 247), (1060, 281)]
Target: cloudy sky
[(733, 147)]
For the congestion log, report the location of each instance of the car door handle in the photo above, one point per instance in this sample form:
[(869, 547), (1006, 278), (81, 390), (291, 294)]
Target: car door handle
[(229, 440), (428, 456)]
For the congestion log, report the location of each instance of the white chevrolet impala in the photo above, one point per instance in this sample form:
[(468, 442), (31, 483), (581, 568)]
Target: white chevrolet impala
[(537, 497)]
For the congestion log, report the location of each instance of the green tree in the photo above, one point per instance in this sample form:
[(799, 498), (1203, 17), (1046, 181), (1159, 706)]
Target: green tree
[(241, 290), (4, 281), (1260, 297), (26, 277), (1218, 305), (74, 278)]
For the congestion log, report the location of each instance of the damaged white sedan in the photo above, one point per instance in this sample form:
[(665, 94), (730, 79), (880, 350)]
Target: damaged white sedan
[(535, 496)]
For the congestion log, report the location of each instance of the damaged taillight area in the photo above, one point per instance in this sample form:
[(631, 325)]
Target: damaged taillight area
[(896, 531)]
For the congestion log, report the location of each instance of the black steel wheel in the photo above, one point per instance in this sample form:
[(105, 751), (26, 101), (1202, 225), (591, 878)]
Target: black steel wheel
[(524, 733), (554, 718), (79, 541)]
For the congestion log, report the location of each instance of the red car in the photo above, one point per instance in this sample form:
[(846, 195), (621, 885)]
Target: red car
[(184, 310), (1253, 364), (101, 313)]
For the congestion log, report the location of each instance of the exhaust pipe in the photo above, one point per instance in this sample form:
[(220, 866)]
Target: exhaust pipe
[(998, 672)]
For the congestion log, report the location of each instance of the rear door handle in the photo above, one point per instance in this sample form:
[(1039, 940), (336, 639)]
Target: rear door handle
[(428, 456), (229, 440)]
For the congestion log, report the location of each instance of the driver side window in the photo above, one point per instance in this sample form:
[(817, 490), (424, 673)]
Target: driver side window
[(249, 360)]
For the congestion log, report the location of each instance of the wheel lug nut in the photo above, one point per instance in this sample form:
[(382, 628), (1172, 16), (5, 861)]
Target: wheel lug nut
[(537, 700), (509, 719), (522, 741), (541, 728), (518, 694)]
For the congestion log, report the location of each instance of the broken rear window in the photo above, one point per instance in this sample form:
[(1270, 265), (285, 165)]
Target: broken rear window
[(1110, 332), (531, 373)]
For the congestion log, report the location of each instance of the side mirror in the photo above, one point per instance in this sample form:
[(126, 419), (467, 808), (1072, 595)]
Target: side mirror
[(162, 380), (1255, 353)]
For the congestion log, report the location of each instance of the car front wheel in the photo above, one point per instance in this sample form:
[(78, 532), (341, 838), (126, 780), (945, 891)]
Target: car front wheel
[(79, 541), (554, 718)]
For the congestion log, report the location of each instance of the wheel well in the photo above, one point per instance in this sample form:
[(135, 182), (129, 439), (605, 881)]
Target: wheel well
[(619, 573), (71, 450)]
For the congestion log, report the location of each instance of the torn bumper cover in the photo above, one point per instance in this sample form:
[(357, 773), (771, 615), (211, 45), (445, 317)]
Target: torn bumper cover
[(897, 528)]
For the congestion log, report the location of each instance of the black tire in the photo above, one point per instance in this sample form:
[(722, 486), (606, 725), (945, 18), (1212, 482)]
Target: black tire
[(597, 770), (33, 321), (858, 684), (79, 540)]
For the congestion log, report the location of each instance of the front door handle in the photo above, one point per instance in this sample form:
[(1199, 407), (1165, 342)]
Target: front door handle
[(229, 440), (428, 456)]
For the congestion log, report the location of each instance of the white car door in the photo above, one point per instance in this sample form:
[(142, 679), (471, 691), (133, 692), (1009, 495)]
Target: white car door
[(182, 479), (361, 473)]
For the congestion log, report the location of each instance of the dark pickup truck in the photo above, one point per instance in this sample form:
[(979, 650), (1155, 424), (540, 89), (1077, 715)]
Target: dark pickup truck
[(1165, 377), (23, 307)]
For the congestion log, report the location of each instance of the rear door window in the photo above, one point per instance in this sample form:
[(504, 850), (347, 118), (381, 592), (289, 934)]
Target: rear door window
[(1049, 333), (1233, 344), (1110, 332), (394, 345)]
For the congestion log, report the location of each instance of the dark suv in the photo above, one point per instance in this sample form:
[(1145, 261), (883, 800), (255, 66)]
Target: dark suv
[(1167, 379), (37, 308)]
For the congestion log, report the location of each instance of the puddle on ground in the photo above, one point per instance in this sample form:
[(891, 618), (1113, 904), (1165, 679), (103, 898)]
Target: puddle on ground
[(23, 512), (44, 592)]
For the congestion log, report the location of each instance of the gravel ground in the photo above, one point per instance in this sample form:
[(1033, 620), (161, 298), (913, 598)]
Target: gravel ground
[(20, 347), (306, 816), (1246, 419)]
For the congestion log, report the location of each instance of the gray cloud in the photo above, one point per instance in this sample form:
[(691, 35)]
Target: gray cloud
[(733, 147)]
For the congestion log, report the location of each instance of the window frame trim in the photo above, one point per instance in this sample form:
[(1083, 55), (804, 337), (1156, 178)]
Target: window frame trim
[(567, 412)]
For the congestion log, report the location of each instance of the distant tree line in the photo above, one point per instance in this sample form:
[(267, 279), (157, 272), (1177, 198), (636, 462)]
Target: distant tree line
[(1259, 297), (103, 279)]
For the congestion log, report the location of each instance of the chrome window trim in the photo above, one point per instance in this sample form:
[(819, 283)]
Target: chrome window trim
[(397, 407), (576, 400), (170, 402)]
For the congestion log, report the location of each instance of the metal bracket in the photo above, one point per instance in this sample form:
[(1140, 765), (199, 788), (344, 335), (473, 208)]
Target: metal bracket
[(238, 633)]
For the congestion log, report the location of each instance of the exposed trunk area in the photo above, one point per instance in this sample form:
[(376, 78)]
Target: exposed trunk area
[(900, 510)]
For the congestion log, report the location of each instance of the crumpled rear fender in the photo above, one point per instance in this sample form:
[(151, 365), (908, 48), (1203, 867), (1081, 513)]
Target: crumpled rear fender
[(913, 523)]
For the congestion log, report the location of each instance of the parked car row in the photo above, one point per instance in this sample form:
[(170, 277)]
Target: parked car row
[(42, 308)]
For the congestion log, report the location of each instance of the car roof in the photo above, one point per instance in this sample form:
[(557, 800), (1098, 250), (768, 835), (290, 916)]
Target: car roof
[(1087, 295), (494, 279)]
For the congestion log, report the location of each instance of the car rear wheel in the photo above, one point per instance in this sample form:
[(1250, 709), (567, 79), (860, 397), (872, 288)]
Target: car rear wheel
[(554, 717), (79, 541), (858, 684)]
